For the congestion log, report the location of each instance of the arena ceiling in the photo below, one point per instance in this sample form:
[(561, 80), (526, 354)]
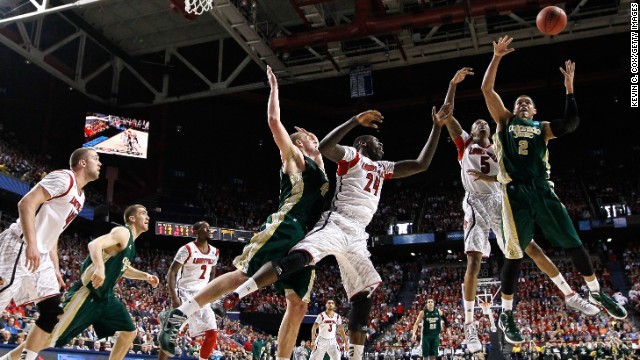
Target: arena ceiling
[(139, 53)]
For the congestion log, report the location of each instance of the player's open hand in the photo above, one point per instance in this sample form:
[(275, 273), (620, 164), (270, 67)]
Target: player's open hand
[(152, 280), (370, 118), (439, 118), (33, 258), (461, 74), (501, 48), (478, 175), (97, 279), (273, 81), (568, 72), (313, 345), (61, 283)]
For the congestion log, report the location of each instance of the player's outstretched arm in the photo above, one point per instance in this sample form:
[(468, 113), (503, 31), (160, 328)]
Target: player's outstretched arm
[(453, 126), (571, 120), (343, 334), (414, 331), (329, 145), (409, 167), (135, 274), (314, 331), (288, 151), (498, 111), (118, 238)]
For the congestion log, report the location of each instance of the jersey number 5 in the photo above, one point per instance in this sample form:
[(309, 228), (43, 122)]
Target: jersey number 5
[(372, 178)]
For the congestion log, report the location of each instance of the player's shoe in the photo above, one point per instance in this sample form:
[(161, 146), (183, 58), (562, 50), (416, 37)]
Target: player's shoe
[(471, 335), (613, 308), (170, 323), (230, 301), (218, 309), (508, 326), (576, 302)]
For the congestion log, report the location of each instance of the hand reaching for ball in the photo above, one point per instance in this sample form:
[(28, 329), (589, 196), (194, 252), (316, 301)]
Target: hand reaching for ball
[(370, 118)]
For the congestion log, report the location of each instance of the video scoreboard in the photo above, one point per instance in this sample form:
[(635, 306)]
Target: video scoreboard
[(186, 230)]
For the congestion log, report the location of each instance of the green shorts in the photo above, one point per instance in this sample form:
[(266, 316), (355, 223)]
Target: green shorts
[(534, 202), (430, 344), (273, 242), (82, 308)]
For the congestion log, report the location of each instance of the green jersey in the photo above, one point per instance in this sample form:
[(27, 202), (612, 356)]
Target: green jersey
[(114, 267), (431, 322), (522, 151)]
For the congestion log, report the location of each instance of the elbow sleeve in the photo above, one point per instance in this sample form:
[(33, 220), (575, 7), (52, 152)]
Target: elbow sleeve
[(571, 120)]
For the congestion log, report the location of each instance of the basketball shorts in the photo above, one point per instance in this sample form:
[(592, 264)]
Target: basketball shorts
[(482, 212), (81, 309), (16, 280), (336, 235), (430, 344), (535, 202), (325, 346), (202, 320), (273, 242)]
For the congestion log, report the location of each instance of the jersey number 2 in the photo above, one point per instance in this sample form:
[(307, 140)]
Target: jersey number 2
[(376, 183)]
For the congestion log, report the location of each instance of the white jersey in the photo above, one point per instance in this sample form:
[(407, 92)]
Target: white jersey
[(472, 156), (327, 325), (196, 266), (358, 185), (55, 214)]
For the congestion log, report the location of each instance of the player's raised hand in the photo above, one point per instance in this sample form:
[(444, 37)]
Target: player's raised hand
[(439, 118), (461, 74), (97, 279), (273, 81), (501, 48), (370, 118), (152, 280), (568, 72), (33, 257)]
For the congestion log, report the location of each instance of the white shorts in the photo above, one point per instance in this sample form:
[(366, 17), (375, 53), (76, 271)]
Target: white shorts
[(347, 241), (325, 346), (201, 320), (481, 213), (27, 286)]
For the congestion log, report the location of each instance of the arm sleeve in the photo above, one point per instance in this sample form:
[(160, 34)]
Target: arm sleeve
[(571, 120)]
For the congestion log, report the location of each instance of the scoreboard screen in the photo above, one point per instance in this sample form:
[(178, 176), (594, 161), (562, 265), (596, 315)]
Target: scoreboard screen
[(186, 230)]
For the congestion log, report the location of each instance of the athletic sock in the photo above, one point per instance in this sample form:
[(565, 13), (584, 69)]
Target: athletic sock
[(468, 311), (189, 307), (246, 288), (507, 304), (561, 283), (594, 285)]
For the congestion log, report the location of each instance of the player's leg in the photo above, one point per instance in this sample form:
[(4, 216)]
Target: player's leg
[(572, 299), (333, 350), (172, 320), (290, 325), (202, 322), (122, 345), (558, 228), (517, 232)]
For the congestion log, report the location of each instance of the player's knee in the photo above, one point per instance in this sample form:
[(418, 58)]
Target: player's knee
[(474, 260), (50, 310), (581, 260), (291, 263), (360, 310), (509, 275)]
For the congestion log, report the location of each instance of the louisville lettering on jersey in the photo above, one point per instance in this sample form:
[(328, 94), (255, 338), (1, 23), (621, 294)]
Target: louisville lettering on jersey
[(77, 207), (481, 151), (203, 261)]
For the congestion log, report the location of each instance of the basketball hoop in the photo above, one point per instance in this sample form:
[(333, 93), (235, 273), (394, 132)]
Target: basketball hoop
[(486, 307), (197, 7)]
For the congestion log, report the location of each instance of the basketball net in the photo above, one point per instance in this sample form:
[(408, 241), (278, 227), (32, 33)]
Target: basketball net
[(197, 6), (485, 295)]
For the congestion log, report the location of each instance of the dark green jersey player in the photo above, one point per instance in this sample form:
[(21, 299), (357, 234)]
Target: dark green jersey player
[(91, 301), (431, 319), (528, 195), (303, 186)]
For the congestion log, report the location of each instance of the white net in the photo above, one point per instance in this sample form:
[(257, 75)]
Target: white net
[(197, 6)]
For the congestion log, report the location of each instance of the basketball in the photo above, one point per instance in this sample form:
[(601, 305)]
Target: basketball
[(551, 20)]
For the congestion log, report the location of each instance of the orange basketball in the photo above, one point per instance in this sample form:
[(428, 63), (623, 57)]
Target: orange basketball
[(551, 20)]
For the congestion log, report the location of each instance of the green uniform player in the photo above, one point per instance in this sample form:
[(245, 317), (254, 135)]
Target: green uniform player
[(91, 301), (301, 202), (431, 319), (528, 195), (303, 186)]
